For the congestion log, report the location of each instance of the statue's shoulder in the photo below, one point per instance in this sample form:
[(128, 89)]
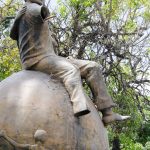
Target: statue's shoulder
[(33, 9)]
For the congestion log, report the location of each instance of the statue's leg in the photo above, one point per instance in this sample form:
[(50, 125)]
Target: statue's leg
[(92, 73), (70, 76)]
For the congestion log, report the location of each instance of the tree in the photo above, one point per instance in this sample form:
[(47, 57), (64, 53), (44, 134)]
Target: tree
[(9, 57)]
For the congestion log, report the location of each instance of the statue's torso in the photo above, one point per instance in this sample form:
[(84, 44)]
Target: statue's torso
[(34, 36)]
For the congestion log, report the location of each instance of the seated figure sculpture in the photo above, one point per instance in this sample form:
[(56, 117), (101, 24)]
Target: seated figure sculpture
[(37, 52)]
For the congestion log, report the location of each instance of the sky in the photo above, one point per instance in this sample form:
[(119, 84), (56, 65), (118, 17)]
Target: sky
[(52, 3)]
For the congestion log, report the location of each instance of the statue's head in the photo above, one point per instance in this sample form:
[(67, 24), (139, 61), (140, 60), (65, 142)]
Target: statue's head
[(40, 2)]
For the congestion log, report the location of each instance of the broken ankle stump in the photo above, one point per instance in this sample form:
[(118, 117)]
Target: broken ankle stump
[(31, 101)]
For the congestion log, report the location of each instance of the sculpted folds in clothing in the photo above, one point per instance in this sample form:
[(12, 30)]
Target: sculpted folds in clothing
[(33, 35)]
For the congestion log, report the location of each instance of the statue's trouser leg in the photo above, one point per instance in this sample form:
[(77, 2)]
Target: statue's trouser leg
[(92, 73), (70, 76)]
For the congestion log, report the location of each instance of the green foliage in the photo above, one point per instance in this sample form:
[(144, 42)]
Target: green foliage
[(129, 144), (8, 11), (9, 59), (147, 146), (144, 133), (9, 55)]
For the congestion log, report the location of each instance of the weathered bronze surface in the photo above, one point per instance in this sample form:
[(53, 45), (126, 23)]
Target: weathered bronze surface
[(32, 100), (40, 138)]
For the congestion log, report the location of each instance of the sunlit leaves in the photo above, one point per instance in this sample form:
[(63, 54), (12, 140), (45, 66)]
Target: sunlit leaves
[(63, 10), (146, 15), (130, 26), (9, 55), (9, 58), (129, 144)]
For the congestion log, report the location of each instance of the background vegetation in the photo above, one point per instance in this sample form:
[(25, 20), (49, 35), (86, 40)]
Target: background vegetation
[(114, 33)]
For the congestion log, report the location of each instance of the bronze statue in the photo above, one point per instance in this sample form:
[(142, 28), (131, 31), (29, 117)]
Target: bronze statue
[(40, 138), (36, 46)]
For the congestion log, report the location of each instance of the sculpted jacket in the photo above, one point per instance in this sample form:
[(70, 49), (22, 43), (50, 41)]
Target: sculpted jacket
[(33, 35)]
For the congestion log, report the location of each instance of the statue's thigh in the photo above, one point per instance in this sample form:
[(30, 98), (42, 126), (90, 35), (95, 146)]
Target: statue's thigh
[(83, 65), (54, 65)]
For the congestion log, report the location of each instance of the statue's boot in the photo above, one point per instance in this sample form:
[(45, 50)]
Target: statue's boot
[(81, 113), (109, 116), (114, 117), (80, 110)]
